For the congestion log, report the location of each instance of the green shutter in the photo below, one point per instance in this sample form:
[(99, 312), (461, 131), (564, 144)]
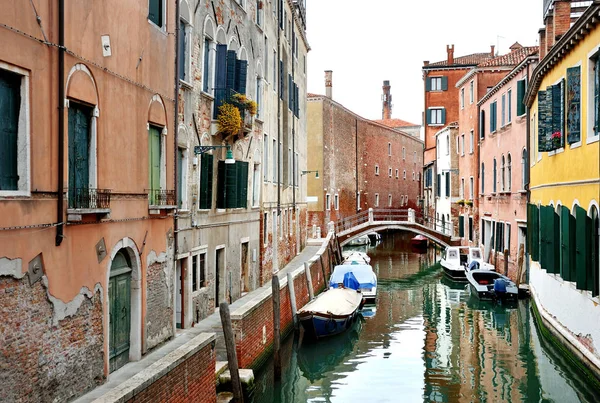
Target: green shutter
[(182, 50), (241, 75), (428, 116), (443, 116), (242, 183), (220, 78), (428, 84), (231, 190), (520, 97), (231, 70), (595, 252), (444, 83), (180, 177), (438, 185), (573, 104), (555, 244), (567, 247), (542, 146), (556, 112), (533, 230), (10, 104), (461, 226), (447, 181), (221, 185), (290, 92), (550, 256), (154, 133), (482, 124), (584, 271), (206, 181)]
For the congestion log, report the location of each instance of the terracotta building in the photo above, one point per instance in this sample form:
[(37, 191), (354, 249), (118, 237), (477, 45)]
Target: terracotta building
[(86, 191), (362, 164)]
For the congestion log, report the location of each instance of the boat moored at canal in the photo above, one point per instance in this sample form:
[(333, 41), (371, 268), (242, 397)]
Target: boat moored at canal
[(489, 285), (365, 276), (353, 257), (456, 259)]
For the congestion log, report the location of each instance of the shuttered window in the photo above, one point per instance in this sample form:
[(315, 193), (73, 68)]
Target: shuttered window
[(155, 12), (436, 84), (573, 104), (438, 185), (10, 101), (542, 147), (567, 244), (232, 185), (493, 116), (436, 116), (585, 273), (447, 180), (220, 78), (461, 226), (521, 88), (482, 124), (206, 181), (281, 86), (533, 229), (495, 176)]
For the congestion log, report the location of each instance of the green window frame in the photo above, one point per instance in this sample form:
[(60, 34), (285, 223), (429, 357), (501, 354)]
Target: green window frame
[(155, 12), (10, 105), (206, 181)]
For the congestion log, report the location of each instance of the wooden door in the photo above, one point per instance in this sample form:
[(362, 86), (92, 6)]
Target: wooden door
[(119, 291), (79, 153), (10, 102), (154, 162)]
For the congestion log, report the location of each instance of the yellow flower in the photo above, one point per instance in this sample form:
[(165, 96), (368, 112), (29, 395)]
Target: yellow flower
[(229, 119)]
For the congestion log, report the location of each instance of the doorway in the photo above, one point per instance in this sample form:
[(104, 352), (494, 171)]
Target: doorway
[(244, 266), (219, 269), (119, 292), (181, 270)]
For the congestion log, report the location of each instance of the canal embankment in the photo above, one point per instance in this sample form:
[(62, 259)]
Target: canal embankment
[(189, 366)]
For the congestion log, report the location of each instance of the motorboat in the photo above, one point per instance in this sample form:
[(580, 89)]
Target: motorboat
[(364, 275), (490, 285), (332, 312), (374, 237), (350, 257), (456, 259), (361, 240)]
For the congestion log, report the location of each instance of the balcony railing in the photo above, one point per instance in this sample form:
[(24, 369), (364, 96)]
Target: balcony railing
[(161, 197), (88, 198), (226, 95)]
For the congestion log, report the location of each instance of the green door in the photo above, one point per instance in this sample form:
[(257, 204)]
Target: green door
[(119, 291), (79, 154), (10, 103), (154, 162)]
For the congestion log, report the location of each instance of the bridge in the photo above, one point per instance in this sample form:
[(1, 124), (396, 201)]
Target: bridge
[(383, 219)]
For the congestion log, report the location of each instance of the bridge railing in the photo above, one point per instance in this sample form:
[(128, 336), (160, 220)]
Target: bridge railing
[(353, 221), (446, 227), (390, 215)]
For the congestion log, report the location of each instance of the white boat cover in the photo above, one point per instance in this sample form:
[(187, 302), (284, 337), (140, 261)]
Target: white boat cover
[(355, 256), (363, 272), (336, 301)]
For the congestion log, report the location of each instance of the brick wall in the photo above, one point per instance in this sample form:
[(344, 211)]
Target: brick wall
[(159, 309), (253, 329), (193, 380), (42, 362)]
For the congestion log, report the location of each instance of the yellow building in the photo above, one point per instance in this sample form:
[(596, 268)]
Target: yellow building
[(564, 136)]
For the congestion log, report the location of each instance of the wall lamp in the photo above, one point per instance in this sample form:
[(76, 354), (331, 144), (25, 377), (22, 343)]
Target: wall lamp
[(307, 172), (203, 149)]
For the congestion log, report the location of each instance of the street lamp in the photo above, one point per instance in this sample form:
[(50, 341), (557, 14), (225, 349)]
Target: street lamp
[(307, 172), (228, 156)]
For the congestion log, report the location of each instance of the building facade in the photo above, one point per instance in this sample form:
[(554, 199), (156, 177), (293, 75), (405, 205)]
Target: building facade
[(446, 180), (87, 192), (564, 158)]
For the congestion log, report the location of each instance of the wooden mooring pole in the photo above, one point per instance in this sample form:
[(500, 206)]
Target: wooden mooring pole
[(311, 291), (290, 283), (276, 328), (231, 354)]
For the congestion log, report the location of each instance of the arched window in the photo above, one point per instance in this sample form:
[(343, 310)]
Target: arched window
[(523, 169), (509, 173), (482, 178), (502, 173), (494, 184)]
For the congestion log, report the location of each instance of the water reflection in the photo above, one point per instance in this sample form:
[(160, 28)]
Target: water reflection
[(430, 341)]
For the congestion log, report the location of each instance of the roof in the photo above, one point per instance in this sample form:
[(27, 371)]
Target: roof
[(311, 95), (468, 60), (393, 123), (529, 59), (512, 58)]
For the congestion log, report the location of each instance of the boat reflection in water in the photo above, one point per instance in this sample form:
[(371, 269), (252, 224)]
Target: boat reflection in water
[(317, 358)]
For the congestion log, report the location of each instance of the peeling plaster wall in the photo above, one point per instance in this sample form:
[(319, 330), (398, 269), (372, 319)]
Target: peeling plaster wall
[(159, 307), (49, 351)]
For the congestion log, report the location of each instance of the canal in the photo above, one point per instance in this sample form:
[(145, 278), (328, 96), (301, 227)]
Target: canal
[(427, 341)]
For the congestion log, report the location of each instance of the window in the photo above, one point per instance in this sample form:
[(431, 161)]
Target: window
[(14, 129), (414, 157), (397, 175), (494, 184), (594, 98), (462, 98), (503, 111), (266, 158), (447, 145), (493, 119), (502, 177), (438, 185), (471, 92), (376, 199), (403, 153), (184, 50), (280, 163), (284, 224), (376, 169), (507, 237), (471, 229), (206, 181), (471, 142), (523, 169), (389, 200), (482, 178), (275, 70), (208, 64), (462, 188), (327, 201), (462, 149), (256, 186), (182, 162), (232, 185), (156, 12), (508, 173), (258, 97), (336, 201), (447, 180), (436, 116), (389, 149), (195, 273), (404, 175), (266, 58), (231, 75), (274, 151), (390, 172), (413, 175), (471, 188), (259, 8), (521, 89), (82, 154), (509, 106), (436, 84), (265, 228), (482, 124), (457, 145), (358, 201)]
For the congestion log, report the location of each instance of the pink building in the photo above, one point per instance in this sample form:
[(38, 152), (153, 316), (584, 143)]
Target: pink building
[(502, 167)]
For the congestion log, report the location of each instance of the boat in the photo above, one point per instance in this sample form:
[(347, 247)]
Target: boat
[(361, 240), (419, 241), (456, 259), (364, 275), (332, 312), (374, 237), (355, 256), (490, 285)]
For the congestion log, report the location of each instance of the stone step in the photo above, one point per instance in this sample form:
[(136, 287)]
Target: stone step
[(224, 397)]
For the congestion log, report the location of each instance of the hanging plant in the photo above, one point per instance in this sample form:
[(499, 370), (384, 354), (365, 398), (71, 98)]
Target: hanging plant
[(229, 119), (246, 103), (252, 107)]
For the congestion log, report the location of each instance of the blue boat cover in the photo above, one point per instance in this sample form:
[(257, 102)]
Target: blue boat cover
[(500, 285), (363, 274), (350, 281)]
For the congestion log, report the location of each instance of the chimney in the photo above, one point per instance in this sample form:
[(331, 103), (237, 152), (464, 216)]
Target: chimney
[(542, 33), (387, 101), (549, 22), (426, 63), (562, 18), (450, 50), (328, 83), (492, 49)]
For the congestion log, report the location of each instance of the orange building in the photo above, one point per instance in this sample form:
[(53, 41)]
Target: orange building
[(86, 187)]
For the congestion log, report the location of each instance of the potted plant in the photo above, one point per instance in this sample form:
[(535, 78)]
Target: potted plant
[(556, 140), (229, 120)]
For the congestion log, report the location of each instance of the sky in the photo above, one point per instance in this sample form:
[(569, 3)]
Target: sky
[(367, 42)]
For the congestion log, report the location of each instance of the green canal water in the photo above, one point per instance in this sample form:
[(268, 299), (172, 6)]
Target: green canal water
[(428, 341)]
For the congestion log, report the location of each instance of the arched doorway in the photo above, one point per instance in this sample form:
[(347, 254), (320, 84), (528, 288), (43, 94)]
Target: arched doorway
[(119, 293)]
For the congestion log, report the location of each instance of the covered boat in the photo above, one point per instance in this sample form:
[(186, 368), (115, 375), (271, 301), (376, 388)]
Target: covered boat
[(419, 241), (355, 256), (361, 240), (364, 275), (456, 259), (331, 312), (489, 285)]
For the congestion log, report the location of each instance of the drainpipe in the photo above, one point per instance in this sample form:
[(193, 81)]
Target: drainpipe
[(279, 148), (356, 161), (175, 125), (61, 123), (293, 133), (527, 173)]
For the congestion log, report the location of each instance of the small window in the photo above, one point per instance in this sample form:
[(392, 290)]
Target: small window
[(265, 228), (327, 201), (376, 199), (336, 202), (389, 200), (471, 188), (403, 153), (436, 116), (471, 142), (436, 83), (156, 12), (404, 175), (413, 175), (376, 169), (389, 149), (509, 106), (390, 172), (462, 98), (397, 174), (462, 148), (471, 92)]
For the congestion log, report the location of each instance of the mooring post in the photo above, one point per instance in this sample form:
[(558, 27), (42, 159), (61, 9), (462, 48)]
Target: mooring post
[(323, 268), (232, 361), (339, 249), (506, 262), (311, 291), (276, 328), (290, 283)]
